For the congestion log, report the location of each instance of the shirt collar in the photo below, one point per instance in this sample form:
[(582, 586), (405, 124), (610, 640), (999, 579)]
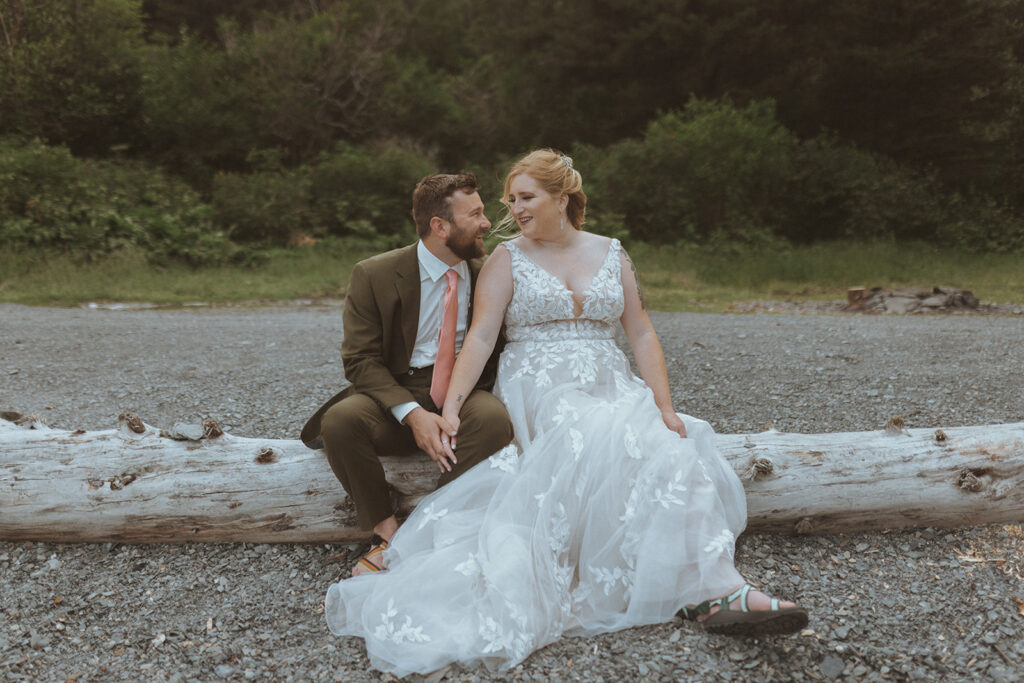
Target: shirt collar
[(433, 268)]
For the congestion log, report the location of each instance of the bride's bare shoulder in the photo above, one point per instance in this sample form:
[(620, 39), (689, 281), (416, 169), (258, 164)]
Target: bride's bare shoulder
[(595, 242)]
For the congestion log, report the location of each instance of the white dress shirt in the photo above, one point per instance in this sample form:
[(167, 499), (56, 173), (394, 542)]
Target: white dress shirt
[(433, 285)]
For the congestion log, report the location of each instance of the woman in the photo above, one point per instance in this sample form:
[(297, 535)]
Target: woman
[(608, 511)]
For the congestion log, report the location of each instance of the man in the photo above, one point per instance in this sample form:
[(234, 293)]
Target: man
[(406, 314)]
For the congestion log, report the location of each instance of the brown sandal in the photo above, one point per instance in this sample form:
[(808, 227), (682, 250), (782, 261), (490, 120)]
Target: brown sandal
[(744, 621), (376, 552)]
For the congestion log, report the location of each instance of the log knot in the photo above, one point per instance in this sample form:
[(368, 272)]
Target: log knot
[(757, 469), (120, 481), (969, 480), (895, 424), (211, 429), (940, 435), (265, 456), (132, 422), (22, 420), (804, 526)]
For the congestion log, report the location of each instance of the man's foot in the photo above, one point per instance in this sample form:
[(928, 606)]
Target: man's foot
[(747, 612), (373, 560)]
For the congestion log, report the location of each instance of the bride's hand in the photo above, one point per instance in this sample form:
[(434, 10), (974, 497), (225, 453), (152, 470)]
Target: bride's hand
[(673, 422), (452, 418)]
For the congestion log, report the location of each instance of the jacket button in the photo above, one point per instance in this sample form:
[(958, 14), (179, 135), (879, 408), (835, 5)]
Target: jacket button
[(411, 371)]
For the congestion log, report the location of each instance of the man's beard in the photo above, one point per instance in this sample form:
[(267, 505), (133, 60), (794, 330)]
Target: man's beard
[(465, 246)]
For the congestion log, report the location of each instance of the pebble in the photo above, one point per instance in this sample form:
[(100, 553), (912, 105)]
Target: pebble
[(832, 666), (184, 366)]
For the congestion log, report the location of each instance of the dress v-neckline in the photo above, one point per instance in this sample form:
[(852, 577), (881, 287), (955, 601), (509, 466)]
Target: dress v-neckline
[(585, 294)]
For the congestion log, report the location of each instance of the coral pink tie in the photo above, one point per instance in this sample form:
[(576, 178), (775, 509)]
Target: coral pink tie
[(446, 341)]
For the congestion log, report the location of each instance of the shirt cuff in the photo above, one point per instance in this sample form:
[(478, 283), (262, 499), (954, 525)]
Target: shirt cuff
[(403, 409)]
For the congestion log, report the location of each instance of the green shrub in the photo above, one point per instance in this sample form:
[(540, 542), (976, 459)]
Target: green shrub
[(732, 178), (837, 191), (271, 204), (712, 168), (362, 192), (981, 225), (358, 188), (49, 199)]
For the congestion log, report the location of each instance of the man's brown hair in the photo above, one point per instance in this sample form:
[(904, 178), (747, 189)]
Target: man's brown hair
[(432, 197)]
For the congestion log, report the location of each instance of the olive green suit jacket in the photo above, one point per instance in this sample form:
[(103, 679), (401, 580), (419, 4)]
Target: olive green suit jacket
[(381, 316)]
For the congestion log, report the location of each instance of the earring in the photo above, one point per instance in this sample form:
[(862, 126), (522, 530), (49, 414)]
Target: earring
[(561, 223)]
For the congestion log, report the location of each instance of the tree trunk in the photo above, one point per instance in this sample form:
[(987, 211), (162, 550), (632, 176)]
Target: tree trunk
[(138, 485)]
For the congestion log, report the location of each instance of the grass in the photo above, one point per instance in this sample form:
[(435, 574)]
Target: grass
[(285, 274), (675, 278)]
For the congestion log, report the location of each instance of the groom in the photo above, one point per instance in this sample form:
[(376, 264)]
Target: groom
[(406, 314)]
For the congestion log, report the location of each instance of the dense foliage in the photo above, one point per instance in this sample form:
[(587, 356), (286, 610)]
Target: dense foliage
[(52, 200), (725, 121)]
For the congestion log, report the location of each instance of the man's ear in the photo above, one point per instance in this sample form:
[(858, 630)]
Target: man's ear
[(439, 227)]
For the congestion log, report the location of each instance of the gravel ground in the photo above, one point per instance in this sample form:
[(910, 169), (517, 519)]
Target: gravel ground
[(932, 604)]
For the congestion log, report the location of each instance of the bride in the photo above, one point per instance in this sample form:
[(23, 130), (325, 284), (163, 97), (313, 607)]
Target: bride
[(609, 510)]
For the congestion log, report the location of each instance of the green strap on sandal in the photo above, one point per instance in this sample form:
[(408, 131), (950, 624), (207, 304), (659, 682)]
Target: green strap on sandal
[(693, 613)]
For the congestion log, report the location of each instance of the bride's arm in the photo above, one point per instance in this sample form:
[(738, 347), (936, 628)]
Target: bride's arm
[(650, 359), (493, 292)]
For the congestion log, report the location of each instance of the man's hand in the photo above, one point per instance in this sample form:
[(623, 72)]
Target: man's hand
[(433, 435)]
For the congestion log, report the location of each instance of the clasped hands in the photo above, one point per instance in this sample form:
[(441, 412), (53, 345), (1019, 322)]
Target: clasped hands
[(435, 436)]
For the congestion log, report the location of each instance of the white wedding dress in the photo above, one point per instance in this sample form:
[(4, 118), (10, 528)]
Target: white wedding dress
[(596, 518)]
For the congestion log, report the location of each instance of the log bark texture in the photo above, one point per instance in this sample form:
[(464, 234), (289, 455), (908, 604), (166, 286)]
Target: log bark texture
[(124, 485)]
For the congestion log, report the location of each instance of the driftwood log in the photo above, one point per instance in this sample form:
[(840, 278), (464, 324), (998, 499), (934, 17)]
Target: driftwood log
[(138, 484)]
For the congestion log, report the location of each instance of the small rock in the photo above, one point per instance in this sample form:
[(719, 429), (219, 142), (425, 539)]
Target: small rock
[(215, 653), (36, 641), (832, 666), (899, 305), (223, 670), (186, 432), (937, 301)]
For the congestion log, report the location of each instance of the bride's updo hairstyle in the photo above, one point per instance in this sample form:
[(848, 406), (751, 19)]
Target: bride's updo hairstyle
[(553, 172)]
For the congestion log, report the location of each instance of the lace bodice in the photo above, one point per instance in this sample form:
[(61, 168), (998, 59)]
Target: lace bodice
[(542, 306)]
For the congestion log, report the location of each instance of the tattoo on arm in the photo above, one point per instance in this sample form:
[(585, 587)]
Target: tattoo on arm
[(636, 278), (458, 399)]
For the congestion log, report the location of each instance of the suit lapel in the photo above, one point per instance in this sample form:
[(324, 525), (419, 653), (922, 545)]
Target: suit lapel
[(407, 284)]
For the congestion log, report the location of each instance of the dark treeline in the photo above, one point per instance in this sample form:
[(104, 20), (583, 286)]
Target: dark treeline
[(166, 125)]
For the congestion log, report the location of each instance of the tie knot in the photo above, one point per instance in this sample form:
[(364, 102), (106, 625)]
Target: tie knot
[(452, 276)]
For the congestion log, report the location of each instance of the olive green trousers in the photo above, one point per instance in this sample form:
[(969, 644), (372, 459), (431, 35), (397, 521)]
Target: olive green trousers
[(356, 431)]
